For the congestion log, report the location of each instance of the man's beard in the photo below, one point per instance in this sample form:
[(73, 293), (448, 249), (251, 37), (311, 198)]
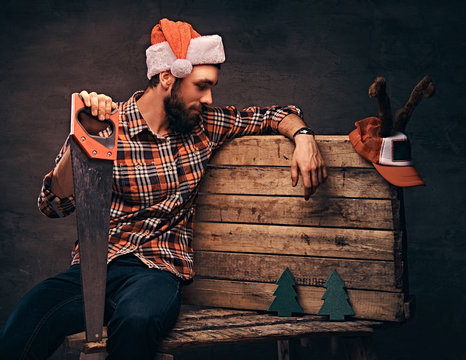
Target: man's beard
[(180, 119)]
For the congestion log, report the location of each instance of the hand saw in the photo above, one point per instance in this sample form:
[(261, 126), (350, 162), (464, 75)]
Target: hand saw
[(92, 162)]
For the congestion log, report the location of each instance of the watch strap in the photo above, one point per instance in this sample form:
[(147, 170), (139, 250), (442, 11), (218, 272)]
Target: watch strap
[(304, 130)]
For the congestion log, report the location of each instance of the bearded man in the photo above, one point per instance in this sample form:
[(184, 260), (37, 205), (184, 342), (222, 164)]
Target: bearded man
[(166, 137)]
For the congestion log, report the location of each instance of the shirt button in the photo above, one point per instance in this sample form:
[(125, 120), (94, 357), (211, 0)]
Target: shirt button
[(147, 232), (138, 167), (170, 167)]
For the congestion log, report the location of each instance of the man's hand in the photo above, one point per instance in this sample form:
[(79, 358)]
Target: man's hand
[(308, 161), (101, 105)]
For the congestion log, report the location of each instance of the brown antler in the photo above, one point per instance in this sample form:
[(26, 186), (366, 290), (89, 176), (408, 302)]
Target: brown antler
[(425, 88), (378, 90)]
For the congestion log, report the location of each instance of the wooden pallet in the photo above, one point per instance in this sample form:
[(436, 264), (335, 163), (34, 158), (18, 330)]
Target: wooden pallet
[(251, 224)]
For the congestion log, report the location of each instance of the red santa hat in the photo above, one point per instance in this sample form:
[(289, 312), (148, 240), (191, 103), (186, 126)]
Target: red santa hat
[(176, 46)]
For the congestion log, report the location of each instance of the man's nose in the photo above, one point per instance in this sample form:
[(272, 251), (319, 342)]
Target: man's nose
[(206, 99)]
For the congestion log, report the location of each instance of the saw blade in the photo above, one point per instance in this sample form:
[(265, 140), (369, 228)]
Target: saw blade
[(92, 185)]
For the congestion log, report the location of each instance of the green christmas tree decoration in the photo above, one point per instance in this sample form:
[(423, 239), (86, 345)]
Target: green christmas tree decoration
[(336, 304), (285, 302)]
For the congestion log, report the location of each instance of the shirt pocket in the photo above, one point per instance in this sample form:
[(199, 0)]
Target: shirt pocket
[(140, 183)]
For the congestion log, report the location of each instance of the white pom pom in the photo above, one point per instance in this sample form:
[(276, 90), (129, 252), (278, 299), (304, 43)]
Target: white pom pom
[(181, 68)]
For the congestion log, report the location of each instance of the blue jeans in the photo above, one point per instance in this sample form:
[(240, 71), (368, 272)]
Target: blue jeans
[(142, 305)]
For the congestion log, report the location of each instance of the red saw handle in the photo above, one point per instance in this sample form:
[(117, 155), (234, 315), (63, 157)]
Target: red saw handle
[(95, 147)]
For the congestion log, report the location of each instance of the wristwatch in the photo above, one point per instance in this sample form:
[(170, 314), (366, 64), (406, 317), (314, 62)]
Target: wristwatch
[(304, 130)]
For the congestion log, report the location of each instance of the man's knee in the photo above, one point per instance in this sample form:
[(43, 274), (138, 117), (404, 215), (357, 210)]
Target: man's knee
[(143, 322)]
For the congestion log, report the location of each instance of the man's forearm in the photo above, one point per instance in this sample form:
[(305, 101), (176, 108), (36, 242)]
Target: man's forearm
[(290, 124), (307, 161), (62, 178)]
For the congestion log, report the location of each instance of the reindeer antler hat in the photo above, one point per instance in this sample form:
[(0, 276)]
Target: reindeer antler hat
[(176, 46), (385, 146)]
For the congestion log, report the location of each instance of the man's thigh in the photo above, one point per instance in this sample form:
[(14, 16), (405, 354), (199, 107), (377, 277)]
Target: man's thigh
[(135, 290)]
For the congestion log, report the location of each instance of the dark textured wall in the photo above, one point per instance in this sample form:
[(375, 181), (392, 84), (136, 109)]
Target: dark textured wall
[(321, 55)]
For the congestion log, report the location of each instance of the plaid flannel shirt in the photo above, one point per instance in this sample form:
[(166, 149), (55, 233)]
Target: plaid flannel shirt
[(155, 181)]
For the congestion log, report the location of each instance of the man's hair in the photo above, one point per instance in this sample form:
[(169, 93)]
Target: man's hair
[(154, 80)]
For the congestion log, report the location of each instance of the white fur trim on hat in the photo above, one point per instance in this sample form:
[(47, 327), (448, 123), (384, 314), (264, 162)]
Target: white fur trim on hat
[(206, 50), (202, 50), (159, 57)]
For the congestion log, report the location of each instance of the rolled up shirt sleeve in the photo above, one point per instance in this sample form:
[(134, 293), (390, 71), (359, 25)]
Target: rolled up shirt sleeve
[(223, 124), (49, 203)]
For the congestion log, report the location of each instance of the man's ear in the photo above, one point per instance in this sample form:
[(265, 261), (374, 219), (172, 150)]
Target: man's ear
[(166, 79)]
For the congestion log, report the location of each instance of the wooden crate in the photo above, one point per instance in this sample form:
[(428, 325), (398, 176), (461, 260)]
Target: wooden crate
[(251, 224)]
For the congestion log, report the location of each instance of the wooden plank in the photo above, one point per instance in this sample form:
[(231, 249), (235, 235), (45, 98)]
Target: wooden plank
[(203, 314), (78, 341), (232, 326), (357, 274), (311, 327), (255, 180), (244, 319), (276, 150), (90, 348), (357, 213), (308, 241), (376, 305)]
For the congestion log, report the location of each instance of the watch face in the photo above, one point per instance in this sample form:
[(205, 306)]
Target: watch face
[(305, 131)]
